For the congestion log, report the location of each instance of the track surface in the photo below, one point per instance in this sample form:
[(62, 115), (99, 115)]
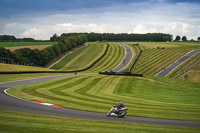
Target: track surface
[(127, 59), (177, 63), (13, 103)]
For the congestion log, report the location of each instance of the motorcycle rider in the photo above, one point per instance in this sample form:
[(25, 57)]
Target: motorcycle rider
[(121, 105)]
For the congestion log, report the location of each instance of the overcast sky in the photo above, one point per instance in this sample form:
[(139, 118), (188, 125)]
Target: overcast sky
[(43, 18)]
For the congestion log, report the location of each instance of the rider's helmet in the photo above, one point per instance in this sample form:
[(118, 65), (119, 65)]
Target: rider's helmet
[(121, 103)]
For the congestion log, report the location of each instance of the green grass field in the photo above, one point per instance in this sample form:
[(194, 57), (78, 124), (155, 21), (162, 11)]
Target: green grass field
[(136, 51), (192, 75), (188, 63), (14, 44), (14, 77), (166, 45), (12, 121), (11, 67), (148, 96), (145, 97), (86, 56), (114, 56), (81, 58), (153, 60)]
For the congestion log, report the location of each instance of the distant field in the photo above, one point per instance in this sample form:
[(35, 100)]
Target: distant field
[(15, 44), (40, 47), (166, 45)]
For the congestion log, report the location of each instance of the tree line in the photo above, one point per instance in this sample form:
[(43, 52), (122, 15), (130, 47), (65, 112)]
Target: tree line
[(184, 38), (11, 38), (27, 56), (156, 37)]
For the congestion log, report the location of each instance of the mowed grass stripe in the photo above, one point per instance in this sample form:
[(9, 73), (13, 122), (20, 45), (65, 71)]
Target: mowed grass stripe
[(150, 58), (152, 64), (53, 91), (184, 66), (84, 92), (63, 98), (81, 58), (78, 91), (103, 63), (110, 60), (86, 58), (161, 59), (167, 61)]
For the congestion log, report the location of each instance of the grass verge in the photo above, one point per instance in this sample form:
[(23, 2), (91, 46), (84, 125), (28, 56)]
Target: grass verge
[(12, 121)]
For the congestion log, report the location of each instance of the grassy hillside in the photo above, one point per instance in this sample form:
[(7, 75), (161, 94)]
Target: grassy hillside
[(136, 50), (145, 97), (152, 60), (15, 44), (114, 56), (185, 65), (192, 75), (11, 67), (14, 77), (86, 56), (81, 58), (11, 121)]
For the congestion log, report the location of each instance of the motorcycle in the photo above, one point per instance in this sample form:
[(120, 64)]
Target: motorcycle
[(120, 113)]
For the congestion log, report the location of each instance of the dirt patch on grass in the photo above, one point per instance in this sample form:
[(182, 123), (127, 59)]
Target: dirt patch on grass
[(40, 47)]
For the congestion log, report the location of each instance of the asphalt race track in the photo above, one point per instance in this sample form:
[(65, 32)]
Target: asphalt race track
[(17, 104), (127, 59), (177, 63)]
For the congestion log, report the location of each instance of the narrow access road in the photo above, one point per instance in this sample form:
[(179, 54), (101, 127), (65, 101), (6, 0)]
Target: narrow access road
[(177, 63), (13, 103), (127, 59)]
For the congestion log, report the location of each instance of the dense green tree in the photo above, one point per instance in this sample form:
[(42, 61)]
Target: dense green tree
[(45, 57), (121, 36), (178, 38), (71, 42), (198, 38), (79, 40), (184, 38), (6, 56), (56, 49), (54, 38), (51, 52), (165, 38), (62, 46), (28, 39), (23, 56), (7, 38)]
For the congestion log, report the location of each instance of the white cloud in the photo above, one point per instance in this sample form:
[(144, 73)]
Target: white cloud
[(144, 17), (12, 28)]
